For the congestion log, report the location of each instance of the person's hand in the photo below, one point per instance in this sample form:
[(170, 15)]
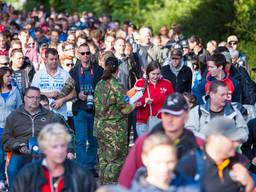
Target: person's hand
[(70, 156), (82, 96), (23, 149), (57, 104), (148, 100), (134, 106), (241, 175)]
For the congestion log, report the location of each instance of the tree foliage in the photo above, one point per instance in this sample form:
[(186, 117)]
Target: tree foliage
[(244, 23), (209, 19)]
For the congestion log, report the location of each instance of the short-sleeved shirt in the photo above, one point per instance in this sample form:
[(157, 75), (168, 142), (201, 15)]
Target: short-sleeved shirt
[(17, 76), (47, 83)]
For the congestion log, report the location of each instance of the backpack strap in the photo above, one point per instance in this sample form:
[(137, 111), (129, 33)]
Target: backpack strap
[(199, 116)]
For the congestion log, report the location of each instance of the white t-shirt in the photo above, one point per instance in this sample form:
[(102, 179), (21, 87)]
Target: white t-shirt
[(47, 83)]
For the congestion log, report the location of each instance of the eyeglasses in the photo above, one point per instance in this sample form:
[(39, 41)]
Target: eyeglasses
[(33, 97), (175, 58), (87, 53), (69, 64)]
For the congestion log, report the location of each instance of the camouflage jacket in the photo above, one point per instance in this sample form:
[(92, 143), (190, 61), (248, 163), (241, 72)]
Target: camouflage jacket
[(109, 101)]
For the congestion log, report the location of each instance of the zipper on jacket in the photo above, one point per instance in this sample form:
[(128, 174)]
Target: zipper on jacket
[(32, 120)]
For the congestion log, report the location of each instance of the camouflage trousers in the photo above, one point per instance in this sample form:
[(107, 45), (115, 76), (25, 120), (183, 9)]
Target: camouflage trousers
[(113, 149)]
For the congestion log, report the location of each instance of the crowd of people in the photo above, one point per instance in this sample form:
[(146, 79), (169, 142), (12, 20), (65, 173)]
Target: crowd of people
[(89, 103)]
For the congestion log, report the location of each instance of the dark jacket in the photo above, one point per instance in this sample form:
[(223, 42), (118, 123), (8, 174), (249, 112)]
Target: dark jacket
[(27, 73), (135, 72), (31, 178), (179, 183), (182, 82), (204, 170), (20, 123), (249, 147), (247, 85), (74, 72), (187, 142)]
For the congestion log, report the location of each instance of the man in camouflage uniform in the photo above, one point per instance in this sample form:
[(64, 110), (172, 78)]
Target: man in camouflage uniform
[(111, 126)]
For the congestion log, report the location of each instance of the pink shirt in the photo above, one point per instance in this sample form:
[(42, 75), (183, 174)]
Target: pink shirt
[(32, 55)]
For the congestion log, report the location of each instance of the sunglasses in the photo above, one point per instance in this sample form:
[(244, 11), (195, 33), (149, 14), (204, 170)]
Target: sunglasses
[(4, 63), (233, 43), (175, 58), (69, 64), (87, 53)]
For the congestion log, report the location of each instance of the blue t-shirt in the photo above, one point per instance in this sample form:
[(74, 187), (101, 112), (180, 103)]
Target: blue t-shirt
[(86, 81), (5, 95)]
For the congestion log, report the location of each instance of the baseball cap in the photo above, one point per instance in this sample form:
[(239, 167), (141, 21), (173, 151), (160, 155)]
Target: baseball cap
[(232, 38), (225, 127), (176, 52), (184, 43), (175, 104)]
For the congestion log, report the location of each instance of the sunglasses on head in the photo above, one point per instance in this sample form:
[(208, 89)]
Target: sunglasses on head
[(85, 53), (69, 64), (69, 49)]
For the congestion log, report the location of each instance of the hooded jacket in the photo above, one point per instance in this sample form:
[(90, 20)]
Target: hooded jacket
[(199, 116), (182, 81), (202, 88), (178, 183)]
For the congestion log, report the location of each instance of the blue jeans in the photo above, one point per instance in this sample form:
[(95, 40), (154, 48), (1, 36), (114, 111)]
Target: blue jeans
[(86, 143), (141, 128), (2, 156), (15, 164), (132, 125)]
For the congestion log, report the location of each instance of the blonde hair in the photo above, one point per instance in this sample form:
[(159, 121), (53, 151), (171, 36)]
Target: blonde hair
[(157, 140), (144, 30), (54, 131)]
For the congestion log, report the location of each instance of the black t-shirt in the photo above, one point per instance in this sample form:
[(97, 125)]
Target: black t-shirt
[(216, 114)]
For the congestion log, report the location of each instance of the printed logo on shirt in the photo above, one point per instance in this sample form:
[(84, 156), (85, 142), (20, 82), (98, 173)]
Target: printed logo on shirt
[(163, 90)]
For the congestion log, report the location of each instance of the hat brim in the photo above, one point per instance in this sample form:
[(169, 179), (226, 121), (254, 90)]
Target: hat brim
[(176, 113)]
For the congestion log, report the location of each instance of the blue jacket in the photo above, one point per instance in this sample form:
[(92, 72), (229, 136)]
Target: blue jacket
[(199, 89), (180, 183), (6, 107)]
